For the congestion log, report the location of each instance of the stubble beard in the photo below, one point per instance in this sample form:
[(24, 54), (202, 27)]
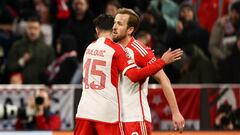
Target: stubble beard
[(119, 38)]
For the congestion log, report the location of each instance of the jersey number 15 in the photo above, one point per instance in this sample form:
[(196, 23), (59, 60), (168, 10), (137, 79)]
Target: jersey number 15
[(90, 66)]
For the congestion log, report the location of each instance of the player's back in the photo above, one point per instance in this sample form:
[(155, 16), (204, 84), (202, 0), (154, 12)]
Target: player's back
[(99, 99)]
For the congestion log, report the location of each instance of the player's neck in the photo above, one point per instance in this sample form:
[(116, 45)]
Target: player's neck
[(104, 34), (124, 42)]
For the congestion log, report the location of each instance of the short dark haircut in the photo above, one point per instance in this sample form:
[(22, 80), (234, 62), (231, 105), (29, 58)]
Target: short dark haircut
[(114, 3), (134, 19), (34, 19), (236, 6), (104, 22)]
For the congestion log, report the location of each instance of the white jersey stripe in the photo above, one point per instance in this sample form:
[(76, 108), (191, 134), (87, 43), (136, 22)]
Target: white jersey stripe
[(121, 128), (145, 128), (140, 48), (136, 43), (131, 66), (142, 128)]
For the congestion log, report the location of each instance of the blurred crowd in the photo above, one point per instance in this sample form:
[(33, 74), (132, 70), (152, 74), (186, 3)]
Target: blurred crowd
[(43, 41)]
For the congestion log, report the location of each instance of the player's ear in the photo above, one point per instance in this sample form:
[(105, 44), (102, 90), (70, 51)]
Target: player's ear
[(130, 30), (97, 30)]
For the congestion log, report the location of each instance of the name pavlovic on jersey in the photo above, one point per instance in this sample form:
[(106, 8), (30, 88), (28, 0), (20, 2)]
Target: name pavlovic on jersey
[(133, 96), (103, 63)]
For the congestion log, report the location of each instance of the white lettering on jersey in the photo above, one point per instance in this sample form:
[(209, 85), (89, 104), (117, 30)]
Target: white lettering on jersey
[(95, 52)]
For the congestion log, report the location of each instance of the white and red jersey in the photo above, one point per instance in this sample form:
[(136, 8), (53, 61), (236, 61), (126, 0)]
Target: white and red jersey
[(133, 96), (103, 63)]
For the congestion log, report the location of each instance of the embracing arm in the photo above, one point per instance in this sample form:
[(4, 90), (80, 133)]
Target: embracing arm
[(136, 74)]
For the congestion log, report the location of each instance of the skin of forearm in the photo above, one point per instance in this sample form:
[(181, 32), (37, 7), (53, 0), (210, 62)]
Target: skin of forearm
[(162, 78)]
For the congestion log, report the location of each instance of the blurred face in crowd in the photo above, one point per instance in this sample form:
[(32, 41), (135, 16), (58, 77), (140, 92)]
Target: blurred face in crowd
[(42, 10), (80, 7), (33, 30), (187, 14), (16, 79), (235, 17), (238, 43), (111, 10), (120, 27), (144, 37)]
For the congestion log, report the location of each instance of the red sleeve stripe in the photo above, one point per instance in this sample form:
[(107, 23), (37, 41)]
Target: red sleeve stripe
[(138, 47)]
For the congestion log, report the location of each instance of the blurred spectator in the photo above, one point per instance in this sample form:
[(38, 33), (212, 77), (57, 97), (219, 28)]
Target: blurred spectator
[(62, 69), (112, 7), (196, 67), (210, 10), (168, 9), (43, 119), (81, 26), (30, 56), (223, 38), (97, 6), (16, 78), (144, 37), (231, 64), (60, 13), (7, 15), (188, 31), (2, 65), (43, 11), (154, 26)]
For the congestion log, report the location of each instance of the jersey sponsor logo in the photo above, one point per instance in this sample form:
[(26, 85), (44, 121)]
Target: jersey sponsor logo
[(95, 52), (152, 60)]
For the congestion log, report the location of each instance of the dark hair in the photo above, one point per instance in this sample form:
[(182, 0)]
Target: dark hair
[(141, 34), (134, 19), (34, 19), (68, 43), (114, 3), (186, 5), (238, 34), (236, 6), (104, 22)]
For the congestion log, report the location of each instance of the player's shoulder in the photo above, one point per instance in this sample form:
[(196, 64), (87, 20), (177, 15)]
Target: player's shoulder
[(138, 47), (117, 47)]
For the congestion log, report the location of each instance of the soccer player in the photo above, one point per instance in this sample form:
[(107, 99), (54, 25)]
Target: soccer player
[(135, 110), (104, 61)]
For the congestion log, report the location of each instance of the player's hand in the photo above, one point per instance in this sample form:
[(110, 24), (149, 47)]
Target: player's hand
[(178, 122), (172, 56)]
